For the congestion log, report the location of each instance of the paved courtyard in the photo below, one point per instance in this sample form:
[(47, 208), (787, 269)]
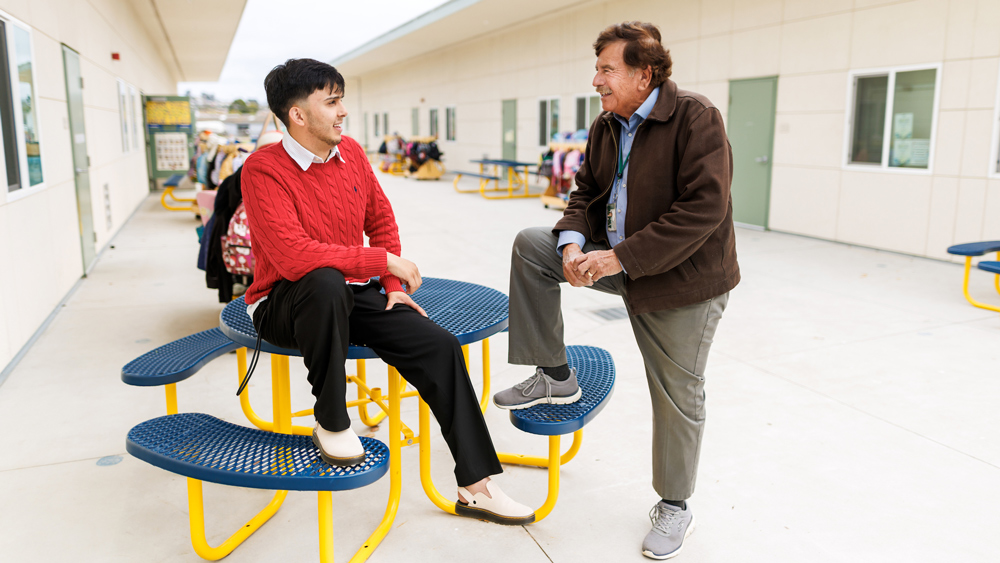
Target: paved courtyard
[(852, 414)]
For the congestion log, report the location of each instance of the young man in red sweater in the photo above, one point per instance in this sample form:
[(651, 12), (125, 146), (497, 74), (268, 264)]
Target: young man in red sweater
[(310, 200)]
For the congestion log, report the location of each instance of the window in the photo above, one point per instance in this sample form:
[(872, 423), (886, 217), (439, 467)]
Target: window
[(587, 110), (433, 122), (123, 115), (548, 120), (385, 123), (366, 130), (376, 126), (415, 119), (893, 118), (449, 123), (18, 110), (133, 108)]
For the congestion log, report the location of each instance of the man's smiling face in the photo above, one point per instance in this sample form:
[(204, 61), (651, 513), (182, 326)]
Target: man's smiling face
[(620, 92), (325, 112)]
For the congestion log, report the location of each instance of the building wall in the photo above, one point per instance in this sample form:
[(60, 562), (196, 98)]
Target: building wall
[(811, 46), (40, 251)]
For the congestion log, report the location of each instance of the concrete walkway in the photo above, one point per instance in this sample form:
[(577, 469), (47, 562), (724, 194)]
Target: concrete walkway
[(852, 414)]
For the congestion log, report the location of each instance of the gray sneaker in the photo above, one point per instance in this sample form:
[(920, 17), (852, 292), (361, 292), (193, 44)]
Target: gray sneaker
[(539, 389), (671, 526)]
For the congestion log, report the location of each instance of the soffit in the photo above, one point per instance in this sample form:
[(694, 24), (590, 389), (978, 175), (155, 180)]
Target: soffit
[(193, 37), (448, 24)]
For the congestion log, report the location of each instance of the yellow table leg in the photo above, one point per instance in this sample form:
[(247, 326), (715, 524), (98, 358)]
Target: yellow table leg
[(171, 390), (325, 517), (196, 516), (256, 420), (996, 278), (169, 192), (965, 286), (395, 472), (363, 409), (485, 400), (553, 496), (535, 461), (281, 394), (426, 480)]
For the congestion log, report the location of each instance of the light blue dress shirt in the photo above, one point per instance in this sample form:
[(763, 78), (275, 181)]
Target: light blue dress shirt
[(619, 190)]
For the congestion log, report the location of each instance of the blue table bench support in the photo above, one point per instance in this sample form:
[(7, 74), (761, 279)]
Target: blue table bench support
[(203, 448)]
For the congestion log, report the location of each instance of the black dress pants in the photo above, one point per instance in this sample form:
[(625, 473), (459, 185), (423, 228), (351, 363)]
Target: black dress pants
[(321, 314)]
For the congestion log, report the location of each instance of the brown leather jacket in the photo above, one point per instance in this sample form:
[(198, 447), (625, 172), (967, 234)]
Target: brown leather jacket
[(679, 245)]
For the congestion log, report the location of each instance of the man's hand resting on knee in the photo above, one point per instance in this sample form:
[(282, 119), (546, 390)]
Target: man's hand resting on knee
[(401, 297), (404, 270)]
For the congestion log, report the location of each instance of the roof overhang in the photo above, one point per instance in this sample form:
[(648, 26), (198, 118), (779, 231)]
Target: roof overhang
[(193, 38), (450, 23)]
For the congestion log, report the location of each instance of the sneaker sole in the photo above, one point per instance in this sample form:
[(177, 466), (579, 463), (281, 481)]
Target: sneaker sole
[(675, 552), (338, 461), (542, 401), (463, 509)]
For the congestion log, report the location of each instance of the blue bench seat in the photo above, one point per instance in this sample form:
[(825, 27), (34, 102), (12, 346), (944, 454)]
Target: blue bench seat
[(173, 181), (478, 175), (975, 248), (208, 449), (177, 360), (595, 371), (992, 267)]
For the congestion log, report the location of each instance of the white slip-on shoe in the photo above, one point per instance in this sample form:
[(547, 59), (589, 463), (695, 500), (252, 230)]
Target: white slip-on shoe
[(338, 448), (500, 509)]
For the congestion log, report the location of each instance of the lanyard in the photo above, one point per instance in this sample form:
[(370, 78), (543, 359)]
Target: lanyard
[(622, 165)]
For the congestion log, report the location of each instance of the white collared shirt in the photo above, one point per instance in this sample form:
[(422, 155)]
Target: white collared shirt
[(303, 156)]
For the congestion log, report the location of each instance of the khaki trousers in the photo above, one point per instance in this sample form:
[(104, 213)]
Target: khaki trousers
[(674, 345)]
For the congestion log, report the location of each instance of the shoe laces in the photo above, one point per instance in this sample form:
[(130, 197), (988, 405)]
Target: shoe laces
[(663, 517), (528, 385)]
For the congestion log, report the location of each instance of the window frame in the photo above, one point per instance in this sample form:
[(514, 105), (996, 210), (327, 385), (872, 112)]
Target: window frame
[(587, 97), (547, 119), (135, 112), (434, 122), (125, 119), (452, 112), (26, 188), (993, 162), (890, 73)]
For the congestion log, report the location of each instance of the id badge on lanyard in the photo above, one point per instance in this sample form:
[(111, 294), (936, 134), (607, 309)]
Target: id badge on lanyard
[(610, 212)]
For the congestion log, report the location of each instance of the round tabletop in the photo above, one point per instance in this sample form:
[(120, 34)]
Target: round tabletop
[(469, 311)]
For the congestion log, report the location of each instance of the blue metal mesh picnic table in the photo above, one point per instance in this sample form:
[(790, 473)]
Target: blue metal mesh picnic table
[(469, 311)]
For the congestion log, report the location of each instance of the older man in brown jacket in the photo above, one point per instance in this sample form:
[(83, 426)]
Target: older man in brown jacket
[(651, 220)]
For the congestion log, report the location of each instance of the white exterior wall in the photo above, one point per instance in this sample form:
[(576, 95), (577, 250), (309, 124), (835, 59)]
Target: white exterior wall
[(39, 233), (811, 46)]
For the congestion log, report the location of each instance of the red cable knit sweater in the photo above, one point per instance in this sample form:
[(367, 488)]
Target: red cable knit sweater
[(302, 221)]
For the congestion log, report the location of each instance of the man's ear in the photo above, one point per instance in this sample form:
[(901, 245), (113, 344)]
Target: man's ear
[(297, 116), (646, 77)]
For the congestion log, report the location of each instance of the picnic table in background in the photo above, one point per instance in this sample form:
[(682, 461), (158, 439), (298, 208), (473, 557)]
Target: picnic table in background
[(494, 170)]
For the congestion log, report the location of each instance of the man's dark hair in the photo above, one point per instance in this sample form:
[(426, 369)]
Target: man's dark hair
[(642, 48), (295, 81)]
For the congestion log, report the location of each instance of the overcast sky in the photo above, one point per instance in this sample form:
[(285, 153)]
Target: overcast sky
[(273, 31)]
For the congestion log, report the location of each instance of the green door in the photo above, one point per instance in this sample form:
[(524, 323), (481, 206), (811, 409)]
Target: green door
[(81, 163), (509, 130), (751, 132)]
